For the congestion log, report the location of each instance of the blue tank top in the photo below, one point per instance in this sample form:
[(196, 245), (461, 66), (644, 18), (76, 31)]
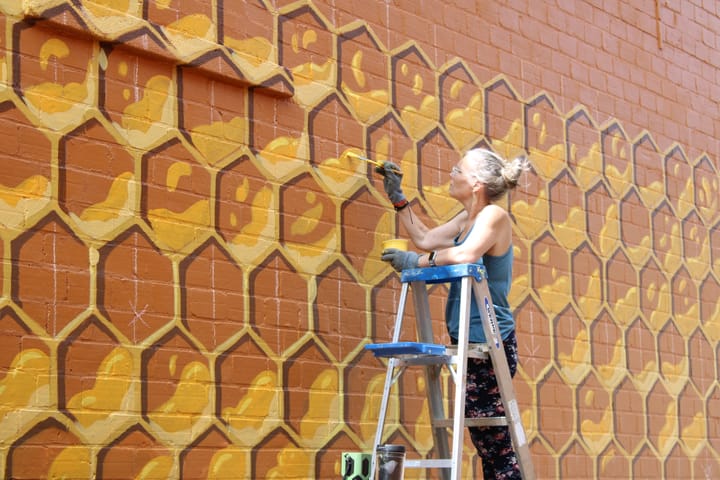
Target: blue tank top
[(499, 271)]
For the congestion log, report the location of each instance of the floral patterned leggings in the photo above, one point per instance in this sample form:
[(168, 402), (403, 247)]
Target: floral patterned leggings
[(493, 444)]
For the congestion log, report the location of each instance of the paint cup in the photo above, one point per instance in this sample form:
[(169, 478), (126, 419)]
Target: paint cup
[(390, 462), (398, 243)]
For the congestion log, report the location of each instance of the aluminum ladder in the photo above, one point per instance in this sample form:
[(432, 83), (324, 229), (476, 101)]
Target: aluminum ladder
[(433, 357)]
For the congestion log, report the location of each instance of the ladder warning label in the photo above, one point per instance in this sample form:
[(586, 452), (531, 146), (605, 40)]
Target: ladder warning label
[(491, 320)]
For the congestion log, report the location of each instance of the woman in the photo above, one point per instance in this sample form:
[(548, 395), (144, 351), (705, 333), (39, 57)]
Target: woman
[(480, 233)]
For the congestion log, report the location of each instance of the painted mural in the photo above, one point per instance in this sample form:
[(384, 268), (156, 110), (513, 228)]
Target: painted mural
[(190, 251)]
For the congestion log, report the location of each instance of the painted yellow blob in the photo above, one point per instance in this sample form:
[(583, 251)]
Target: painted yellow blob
[(307, 73), (178, 230), (219, 139), (253, 409), (159, 468), (260, 219), (32, 187), (112, 382), (668, 433), (193, 26), (596, 433), (114, 203), (52, 48), (29, 371), (55, 98), (102, 8), (147, 111), (255, 50), (610, 232), (615, 367), (321, 416), (292, 462), (309, 37), (163, 4), (310, 219), (465, 125), (189, 400), (281, 149), (176, 173), (624, 308), (71, 462), (227, 464), (575, 363), (695, 433), (356, 68)]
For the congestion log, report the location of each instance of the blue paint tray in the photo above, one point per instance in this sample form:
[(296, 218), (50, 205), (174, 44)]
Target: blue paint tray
[(405, 348)]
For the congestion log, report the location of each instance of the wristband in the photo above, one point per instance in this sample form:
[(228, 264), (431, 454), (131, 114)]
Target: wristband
[(401, 204), (431, 258)]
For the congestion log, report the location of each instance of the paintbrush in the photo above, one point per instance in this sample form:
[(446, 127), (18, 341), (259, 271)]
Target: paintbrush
[(379, 166)]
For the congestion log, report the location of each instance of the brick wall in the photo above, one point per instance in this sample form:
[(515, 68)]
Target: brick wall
[(191, 252)]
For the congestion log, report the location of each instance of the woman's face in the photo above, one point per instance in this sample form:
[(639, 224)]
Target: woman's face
[(461, 181)]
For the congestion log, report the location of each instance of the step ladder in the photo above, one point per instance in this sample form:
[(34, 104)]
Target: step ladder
[(433, 357)]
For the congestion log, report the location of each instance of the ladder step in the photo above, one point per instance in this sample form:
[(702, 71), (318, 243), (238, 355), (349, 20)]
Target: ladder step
[(429, 463), (473, 422)]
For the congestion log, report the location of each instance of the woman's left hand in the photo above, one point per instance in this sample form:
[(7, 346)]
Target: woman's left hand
[(399, 259)]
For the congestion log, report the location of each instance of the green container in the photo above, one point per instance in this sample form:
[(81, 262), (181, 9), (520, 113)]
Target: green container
[(356, 466)]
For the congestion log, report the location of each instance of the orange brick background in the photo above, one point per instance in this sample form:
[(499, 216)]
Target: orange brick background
[(191, 252)]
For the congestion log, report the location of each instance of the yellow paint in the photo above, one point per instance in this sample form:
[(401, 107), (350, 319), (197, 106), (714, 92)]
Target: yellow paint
[(712, 324), (420, 121), (589, 168), (373, 265), (512, 142), (675, 372), (659, 295), (32, 187), (188, 401), (72, 462), (260, 219), (228, 463), (576, 363), (281, 150), (52, 48), (177, 230), (625, 308), (417, 88), (103, 8), (176, 172), (686, 198), (590, 301), (115, 202), (254, 408), (571, 232), (193, 26), (465, 125), (532, 218), (547, 163), (28, 372), (708, 196), (619, 181), (669, 431), (322, 413), (698, 265), (55, 98), (607, 458), (307, 73), (596, 434), (687, 320), (256, 50), (356, 69), (695, 433), (163, 4), (672, 244), (309, 37), (219, 139), (556, 295), (652, 194), (610, 231), (367, 105), (292, 462), (310, 219), (112, 383), (615, 369), (172, 365), (159, 468), (148, 111), (371, 407)]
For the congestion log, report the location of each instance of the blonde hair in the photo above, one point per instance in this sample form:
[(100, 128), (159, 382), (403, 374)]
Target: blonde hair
[(498, 175)]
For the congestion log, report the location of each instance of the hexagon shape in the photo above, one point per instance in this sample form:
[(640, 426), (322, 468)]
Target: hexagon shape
[(144, 115), (691, 417), (252, 43), (436, 157), (607, 349), (576, 461), (176, 388), (303, 37), (677, 464), (217, 130), (280, 321), (710, 308), (26, 155), (641, 354), (543, 136), (135, 286), (95, 379), (707, 190), (340, 171), (583, 148), (667, 237), (696, 246), (602, 219), (98, 182), (247, 391), (506, 129), (308, 223), (672, 357), (550, 273), (715, 248), (587, 280), (572, 349), (461, 105), (414, 95), (648, 171), (685, 302), (617, 162), (612, 464), (595, 417), (646, 464), (655, 296), (635, 227), (340, 312), (136, 443), (269, 454), (662, 421), (57, 101), (214, 452), (713, 427), (529, 206), (51, 274), (176, 198), (567, 213), (190, 29), (388, 140), (364, 379), (556, 407), (622, 287), (629, 416), (362, 73), (212, 297), (679, 186)]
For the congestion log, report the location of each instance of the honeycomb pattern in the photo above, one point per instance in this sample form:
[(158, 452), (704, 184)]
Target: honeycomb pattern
[(191, 253)]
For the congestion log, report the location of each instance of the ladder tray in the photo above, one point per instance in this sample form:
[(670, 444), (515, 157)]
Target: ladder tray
[(405, 348)]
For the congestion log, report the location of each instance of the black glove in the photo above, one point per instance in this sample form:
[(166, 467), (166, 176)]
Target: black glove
[(391, 181), (399, 259)]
